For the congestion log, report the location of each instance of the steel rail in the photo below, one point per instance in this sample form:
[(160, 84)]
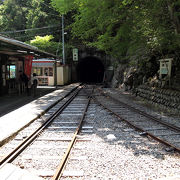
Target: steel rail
[(62, 164), (70, 92), (20, 148), (171, 126), (136, 127)]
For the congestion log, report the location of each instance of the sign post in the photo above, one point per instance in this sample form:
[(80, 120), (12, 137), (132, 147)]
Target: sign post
[(165, 69)]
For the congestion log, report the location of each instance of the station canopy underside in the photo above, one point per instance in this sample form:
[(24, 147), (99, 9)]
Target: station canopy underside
[(14, 47)]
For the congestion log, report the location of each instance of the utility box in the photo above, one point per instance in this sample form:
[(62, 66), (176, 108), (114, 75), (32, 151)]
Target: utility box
[(165, 67), (63, 75)]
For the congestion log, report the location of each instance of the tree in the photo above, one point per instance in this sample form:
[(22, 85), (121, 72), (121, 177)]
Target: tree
[(46, 44), (121, 26), (13, 15), (32, 16), (42, 14)]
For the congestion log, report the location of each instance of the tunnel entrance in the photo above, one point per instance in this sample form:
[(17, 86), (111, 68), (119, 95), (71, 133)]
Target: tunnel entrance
[(90, 70)]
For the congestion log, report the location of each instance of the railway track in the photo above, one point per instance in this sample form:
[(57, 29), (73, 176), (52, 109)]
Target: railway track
[(46, 146), (60, 141), (164, 132)]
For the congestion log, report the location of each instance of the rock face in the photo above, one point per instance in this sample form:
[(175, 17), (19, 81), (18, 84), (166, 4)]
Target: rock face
[(118, 75), (126, 77), (160, 92), (166, 98)]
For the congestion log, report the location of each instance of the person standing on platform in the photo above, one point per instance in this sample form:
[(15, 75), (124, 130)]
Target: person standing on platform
[(23, 79), (34, 82)]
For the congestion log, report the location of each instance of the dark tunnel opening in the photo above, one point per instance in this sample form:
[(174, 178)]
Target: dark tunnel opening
[(90, 70)]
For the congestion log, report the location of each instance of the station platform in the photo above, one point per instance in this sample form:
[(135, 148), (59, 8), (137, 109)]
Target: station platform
[(16, 111), (11, 172), (13, 101)]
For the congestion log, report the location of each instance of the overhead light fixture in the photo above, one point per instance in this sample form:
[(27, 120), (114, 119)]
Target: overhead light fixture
[(21, 51)]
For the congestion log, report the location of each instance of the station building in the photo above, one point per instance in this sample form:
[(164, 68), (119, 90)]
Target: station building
[(15, 57)]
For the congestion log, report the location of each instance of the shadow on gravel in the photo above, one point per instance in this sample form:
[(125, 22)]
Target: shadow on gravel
[(116, 132)]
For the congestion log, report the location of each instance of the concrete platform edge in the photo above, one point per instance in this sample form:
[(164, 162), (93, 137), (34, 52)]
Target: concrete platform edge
[(5, 138)]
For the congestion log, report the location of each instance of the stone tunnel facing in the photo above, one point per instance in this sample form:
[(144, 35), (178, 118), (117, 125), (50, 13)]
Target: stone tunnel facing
[(90, 70)]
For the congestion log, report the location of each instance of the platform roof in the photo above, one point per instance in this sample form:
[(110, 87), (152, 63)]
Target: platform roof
[(14, 47)]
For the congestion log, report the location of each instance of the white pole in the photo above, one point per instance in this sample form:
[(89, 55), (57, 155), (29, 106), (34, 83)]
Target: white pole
[(63, 51)]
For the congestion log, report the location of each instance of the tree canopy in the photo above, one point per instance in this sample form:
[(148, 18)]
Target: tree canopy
[(45, 43), (121, 27), (35, 17), (27, 20)]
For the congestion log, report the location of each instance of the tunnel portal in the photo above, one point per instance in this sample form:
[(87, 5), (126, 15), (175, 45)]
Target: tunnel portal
[(90, 70)]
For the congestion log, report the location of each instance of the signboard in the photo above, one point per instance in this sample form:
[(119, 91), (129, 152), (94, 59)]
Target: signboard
[(28, 65), (75, 54), (165, 67), (164, 71), (110, 68)]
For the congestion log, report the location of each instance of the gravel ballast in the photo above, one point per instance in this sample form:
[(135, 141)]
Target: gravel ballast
[(117, 151), (113, 150)]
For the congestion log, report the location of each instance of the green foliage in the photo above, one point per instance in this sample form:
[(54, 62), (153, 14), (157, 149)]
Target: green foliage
[(102, 24), (46, 44), (29, 14), (40, 22), (63, 6), (12, 15), (121, 27)]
